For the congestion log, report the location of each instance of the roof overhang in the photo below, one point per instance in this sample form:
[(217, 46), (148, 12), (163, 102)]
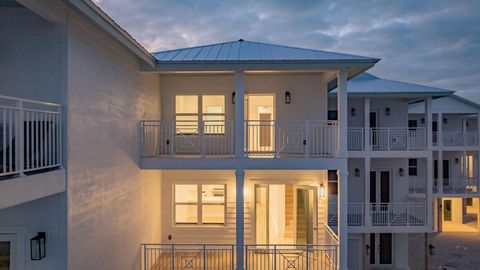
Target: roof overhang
[(411, 95)]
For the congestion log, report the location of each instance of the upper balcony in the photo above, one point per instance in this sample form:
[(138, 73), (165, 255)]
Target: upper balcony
[(388, 139)]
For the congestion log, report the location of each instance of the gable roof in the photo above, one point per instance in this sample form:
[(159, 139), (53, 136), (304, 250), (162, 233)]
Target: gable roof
[(368, 84), (242, 50), (447, 104)]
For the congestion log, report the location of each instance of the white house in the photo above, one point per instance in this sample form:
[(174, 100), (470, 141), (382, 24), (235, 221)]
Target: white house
[(237, 155)]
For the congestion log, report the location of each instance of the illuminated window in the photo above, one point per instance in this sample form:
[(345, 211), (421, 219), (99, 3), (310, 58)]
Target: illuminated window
[(200, 204), (191, 110)]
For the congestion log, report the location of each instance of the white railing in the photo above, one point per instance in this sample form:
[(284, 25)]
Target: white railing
[(355, 139), (187, 138), (291, 138), (459, 138), (295, 256), (187, 256), (417, 185), (398, 214), (462, 185), (30, 135), (391, 139), (355, 214)]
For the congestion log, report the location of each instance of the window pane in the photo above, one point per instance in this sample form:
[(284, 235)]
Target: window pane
[(186, 104), (186, 124), (213, 104), (213, 214), (186, 213), (213, 194), (214, 124), (186, 194)]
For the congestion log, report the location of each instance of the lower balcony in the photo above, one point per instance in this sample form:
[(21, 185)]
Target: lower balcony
[(451, 186)]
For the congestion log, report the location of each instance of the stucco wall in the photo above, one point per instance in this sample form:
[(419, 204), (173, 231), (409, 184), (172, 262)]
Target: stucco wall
[(113, 206)]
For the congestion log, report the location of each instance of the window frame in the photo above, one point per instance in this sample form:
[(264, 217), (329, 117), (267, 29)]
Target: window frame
[(413, 167), (199, 205)]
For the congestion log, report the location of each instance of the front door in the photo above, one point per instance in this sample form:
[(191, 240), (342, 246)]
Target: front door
[(381, 249), (260, 116), (7, 252)]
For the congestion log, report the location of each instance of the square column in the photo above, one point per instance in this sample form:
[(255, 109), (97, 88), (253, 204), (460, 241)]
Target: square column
[(240, 216), (239, 113), (439, 129), (342, 109), (343, 218), (366, 121), (440, 172), (429, 192), (367, 219), (428, 121)]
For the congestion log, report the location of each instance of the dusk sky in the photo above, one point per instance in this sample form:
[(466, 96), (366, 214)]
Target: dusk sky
[(436, 43)]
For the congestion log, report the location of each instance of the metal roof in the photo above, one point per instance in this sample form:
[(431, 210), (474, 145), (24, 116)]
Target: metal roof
[(366, 83), (243, 50)]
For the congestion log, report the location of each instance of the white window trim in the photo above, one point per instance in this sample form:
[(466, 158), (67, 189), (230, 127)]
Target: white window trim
[(200, 115)]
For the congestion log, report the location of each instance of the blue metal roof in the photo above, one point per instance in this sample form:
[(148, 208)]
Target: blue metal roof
[(243, 50)]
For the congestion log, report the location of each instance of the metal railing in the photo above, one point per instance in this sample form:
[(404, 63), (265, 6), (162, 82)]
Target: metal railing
[(355, 139), (277, 138), (187, 138), (398, 214), (391, 139), (355, 214), (188, 256), (459, 138), (417, 185), (461, 185), (30, 135), (295, 256)]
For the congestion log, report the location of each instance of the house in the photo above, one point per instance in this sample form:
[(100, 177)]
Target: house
[(236, 155)]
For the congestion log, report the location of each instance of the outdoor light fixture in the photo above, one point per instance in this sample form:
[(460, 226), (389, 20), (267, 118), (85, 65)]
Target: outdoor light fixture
[(423, 120), (456, 160), (288, 97), (400, 172), (233, 97), (357, 172), (353, 112), (444, 120), (431, 249), (322, 190), (37, 247), (387, 111)]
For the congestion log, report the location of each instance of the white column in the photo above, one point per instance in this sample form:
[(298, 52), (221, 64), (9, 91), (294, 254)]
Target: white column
[(239, 113), (429, 192), (342, 108), (428, 121), (440, 172), (439, 129), (368, 221), (477, 176), (366, 122), (240, 216), (343, 217)]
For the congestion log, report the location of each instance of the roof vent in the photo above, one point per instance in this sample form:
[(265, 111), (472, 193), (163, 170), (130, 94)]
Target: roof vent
[(241, 39)]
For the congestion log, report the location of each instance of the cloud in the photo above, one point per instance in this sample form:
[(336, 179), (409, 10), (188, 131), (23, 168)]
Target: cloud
[(433, 42)]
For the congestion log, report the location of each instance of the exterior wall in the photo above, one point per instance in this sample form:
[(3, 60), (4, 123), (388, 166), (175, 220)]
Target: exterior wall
[(226, 233), (31, 56), (113, 206)]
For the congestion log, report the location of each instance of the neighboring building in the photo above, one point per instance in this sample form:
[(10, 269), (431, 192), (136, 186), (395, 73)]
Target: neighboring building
[(238, 155)]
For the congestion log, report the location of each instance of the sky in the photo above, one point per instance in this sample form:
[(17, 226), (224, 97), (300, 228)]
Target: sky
[(435, 43)]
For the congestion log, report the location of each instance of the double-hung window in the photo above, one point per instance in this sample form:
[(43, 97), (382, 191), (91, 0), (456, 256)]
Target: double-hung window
[(194, 112), (199, 204)]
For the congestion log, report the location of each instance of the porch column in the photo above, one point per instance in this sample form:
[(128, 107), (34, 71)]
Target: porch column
[(342, 109), (366, 121), (367, 219), (440, 129), (428, 121), (239, 113), (343, 218), (429, 192), (440, 172), (477, 177), (240, 216)]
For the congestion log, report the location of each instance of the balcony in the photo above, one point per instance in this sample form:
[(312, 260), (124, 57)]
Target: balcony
[(456, 138), (459, 186), (388, 139), (268, 139)]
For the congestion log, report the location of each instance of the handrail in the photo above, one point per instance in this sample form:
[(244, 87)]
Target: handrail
[(30, 101)]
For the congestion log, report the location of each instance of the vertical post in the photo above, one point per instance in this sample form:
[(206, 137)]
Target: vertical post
[(428, 121), (366, 127), (240, 185), (429, 192), (477, 177), (172, 257), (21, 141), (368, 221), (440, 129), (440, 173), (239, 113), (343, 218), (342, 108)]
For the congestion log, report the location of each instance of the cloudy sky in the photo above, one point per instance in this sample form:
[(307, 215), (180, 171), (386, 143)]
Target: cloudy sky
[(428, 42)]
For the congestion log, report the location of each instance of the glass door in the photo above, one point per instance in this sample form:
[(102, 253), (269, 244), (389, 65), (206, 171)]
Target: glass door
[(260, 116), (381, 249), (7, 251)]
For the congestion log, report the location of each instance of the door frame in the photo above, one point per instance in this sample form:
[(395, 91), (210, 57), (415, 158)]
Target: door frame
[(378, 171), (19, 236), (377, 251)]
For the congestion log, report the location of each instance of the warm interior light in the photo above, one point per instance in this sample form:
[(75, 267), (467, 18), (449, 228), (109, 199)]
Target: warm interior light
[(322, 191)]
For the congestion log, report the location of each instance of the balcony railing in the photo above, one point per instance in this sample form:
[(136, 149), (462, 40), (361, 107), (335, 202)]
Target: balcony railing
[(459, 138), (417, 185), (187, 138), (392, 139), (398, 214), (461, 185), (30, 135), (355, 214), (355, 139), (291, 138)]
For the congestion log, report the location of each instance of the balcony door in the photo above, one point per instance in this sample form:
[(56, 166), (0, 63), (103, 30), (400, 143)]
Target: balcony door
[(260, 116), (7, 252), (381, 249), (380, 187)]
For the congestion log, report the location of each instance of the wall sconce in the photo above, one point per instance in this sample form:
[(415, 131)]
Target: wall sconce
[(387, 111), (233, 97), (37, 247), (466, 124), (444, 120), (322, 191), (357, 172), (456, 160), (431, 249), (401, 172), (422, 120), (288, 98), (353, 112), (367, 249)]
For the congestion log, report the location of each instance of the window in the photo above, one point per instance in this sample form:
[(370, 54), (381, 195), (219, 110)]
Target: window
[(332, 182), (199, 204), (412, 166), (192, 110), (332, 115), (469, 201), (412, 123)]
